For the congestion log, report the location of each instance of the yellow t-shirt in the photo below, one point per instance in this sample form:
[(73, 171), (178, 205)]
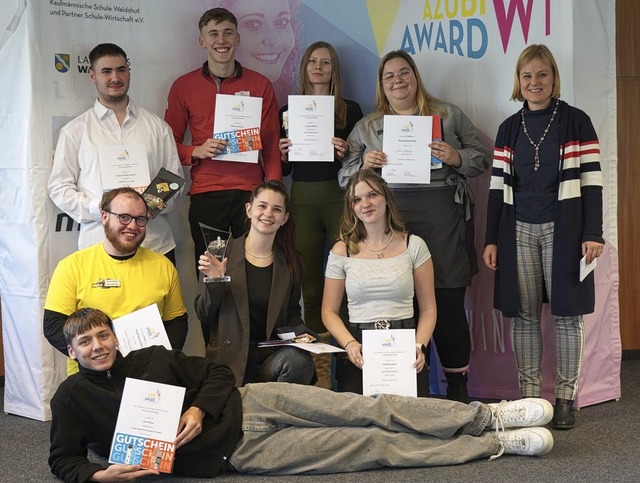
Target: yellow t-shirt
[(92, 278)]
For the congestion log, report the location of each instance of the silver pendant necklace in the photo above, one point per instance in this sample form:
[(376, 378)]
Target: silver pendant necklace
[(536, 157)]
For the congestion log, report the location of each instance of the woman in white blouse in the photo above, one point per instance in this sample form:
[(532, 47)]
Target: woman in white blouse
[(381, 267)]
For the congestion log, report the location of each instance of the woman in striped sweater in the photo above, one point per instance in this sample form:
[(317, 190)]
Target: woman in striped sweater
[(544, 214)]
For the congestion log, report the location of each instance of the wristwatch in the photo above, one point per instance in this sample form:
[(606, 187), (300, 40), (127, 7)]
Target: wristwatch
[(422, 347)]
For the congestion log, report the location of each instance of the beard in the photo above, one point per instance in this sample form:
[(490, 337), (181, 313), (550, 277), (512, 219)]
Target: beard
[(124, 247)]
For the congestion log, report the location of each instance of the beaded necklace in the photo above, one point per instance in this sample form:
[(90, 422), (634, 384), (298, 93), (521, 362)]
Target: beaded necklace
[(259, 257), (536, 157), (379, 251)]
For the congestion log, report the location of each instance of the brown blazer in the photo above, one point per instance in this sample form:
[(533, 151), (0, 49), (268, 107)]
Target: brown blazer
[(223, 309)]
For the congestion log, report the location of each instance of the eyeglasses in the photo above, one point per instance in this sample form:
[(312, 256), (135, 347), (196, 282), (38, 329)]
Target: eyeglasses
[(125, 218), (390, 77)]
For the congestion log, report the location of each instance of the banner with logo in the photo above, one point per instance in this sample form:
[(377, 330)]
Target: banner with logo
[(466, 52)]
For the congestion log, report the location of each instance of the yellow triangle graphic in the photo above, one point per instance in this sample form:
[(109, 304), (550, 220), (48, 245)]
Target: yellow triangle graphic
[(382, 14)]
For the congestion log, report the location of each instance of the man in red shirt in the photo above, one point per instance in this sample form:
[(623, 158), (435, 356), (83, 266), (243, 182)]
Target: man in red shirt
[(220, 189)]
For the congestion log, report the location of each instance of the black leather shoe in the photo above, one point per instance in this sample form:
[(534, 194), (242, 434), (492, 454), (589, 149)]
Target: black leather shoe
[(563, 417)]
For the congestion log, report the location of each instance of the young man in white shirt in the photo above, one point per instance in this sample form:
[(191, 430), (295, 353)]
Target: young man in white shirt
[(76, 183)]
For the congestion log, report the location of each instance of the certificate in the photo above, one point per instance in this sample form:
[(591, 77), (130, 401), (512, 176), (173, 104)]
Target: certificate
[(237, 120), (406, 142), (147, 425), (389, 356), (124, 166), (586, 269), (314, 347), (142, 328), (311, 127)]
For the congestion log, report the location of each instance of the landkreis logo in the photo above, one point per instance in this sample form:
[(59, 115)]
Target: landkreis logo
[(62, 62)]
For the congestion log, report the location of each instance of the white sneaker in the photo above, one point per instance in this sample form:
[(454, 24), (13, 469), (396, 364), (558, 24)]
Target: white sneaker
[(520, 413), (526, 442)]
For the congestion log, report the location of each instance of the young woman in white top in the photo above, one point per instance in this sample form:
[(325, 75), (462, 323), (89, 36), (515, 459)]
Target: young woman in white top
[(381, 267)]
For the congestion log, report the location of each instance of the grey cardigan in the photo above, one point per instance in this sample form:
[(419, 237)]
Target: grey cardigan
[(459, 132)]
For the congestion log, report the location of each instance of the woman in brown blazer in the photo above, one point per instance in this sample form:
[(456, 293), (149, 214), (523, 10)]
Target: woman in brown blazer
[(263, 295)]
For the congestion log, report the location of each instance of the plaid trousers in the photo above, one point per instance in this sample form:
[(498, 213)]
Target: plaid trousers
[(534, 243)]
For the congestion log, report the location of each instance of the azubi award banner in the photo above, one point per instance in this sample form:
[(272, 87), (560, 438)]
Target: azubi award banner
[(465, 51)]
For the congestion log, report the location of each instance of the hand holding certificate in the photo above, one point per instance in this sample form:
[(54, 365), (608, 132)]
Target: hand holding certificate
[(147, 425), (389, 356), (141, 328), (406, 142), (587, 268), (237, 121), (310, 123)]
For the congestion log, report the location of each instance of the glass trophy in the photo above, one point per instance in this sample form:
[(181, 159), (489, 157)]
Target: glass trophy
[(216, 241)]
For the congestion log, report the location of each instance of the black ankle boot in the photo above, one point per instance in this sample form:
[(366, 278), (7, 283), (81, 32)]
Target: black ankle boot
[(563, 417), (457, 387)]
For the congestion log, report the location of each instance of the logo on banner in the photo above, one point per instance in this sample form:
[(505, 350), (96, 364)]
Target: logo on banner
[(459, 27), (62, 62)]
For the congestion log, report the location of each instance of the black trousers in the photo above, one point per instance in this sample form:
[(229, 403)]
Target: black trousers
[(451, 333)]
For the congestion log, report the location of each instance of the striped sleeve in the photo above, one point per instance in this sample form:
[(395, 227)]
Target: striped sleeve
[(581, 169)]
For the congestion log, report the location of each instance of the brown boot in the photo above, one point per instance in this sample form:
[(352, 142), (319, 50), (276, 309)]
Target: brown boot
[(323, 364)]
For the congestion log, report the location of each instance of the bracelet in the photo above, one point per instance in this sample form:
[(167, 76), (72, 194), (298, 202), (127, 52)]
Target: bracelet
[(352, 340)]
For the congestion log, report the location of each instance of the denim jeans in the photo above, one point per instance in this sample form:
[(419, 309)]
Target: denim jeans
[(293, 429)]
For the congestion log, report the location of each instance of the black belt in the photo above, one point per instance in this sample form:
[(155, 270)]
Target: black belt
[(384, 324)]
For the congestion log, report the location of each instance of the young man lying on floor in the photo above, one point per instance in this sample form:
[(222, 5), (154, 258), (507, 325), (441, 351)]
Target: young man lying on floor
[(270, 428)]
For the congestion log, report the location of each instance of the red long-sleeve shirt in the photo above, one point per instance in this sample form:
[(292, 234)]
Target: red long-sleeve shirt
[(191, 104)]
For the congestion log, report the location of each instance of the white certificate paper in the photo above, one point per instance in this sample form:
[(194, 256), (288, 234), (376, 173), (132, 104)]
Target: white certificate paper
[(147, 425), (142, 328), (314, 347), (586, 269), (124, 166), (405, 141), (389, 356), (237, 120), (311, 127)]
